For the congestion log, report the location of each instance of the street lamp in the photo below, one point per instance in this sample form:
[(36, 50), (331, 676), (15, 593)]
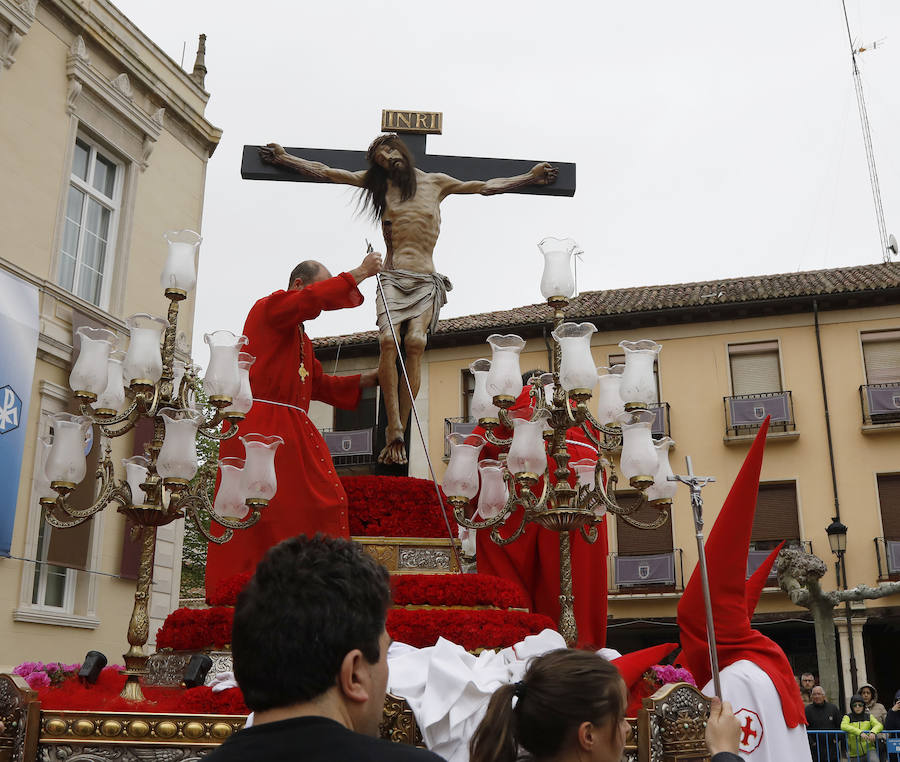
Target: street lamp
[(837, 539)]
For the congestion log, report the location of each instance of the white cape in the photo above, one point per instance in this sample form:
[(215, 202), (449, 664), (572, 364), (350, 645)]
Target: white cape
[(448, 689), (765, 736)]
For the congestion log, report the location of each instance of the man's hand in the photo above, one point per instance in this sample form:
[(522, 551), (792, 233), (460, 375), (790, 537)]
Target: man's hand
[(544, 173), (368, 379), (368, 267), (271, 153), (723, 731)]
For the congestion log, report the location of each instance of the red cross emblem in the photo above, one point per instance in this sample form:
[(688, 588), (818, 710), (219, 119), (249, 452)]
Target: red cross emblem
[(751, 730)]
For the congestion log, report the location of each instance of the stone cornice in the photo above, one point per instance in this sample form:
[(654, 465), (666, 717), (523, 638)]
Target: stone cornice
[(16, 18), (106, 27), (116, 94)]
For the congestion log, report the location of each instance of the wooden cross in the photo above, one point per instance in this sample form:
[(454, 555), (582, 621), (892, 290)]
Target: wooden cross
[(413, 128)]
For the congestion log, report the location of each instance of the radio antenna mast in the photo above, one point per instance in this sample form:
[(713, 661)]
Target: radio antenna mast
[(887, 246)]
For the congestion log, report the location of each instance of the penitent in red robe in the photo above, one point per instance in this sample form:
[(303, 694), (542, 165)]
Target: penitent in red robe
[(532, 561), (310, 496)]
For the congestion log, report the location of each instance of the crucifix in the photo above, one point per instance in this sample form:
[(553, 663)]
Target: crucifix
[(402, 187)]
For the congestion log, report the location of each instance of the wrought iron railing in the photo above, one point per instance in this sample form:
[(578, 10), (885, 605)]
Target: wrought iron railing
[(349, 448), (880, 403), (887, 553), (744, 413), (649, 573), (756, 556)]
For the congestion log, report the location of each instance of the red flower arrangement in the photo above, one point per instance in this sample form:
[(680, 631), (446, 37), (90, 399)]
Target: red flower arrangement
[(469, 629), (196, 629), (227, 590), (457, 590), (395, 506), (73, 695)]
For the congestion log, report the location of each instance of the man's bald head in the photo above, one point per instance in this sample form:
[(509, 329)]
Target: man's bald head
[(306, 273)]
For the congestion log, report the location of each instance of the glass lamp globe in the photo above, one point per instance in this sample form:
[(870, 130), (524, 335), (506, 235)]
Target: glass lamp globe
[(527, 454), (577, 370), (177, 460), (609, 399), (180, 269), (461, 476), (662, 491), (494, 493), (89, 373), (243, 400), (143, 360), (136, 469), (223, 378), (260, 482), (638, 459), (230, 499), (481, 405), (113, 397), (638, 388), (557, 281), (505, 376), (66, 462)]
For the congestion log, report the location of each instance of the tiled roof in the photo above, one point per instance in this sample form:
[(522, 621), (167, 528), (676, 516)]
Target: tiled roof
[(642, 299)]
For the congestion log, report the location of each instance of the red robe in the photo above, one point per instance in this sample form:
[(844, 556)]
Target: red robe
[(532, 561), (310, 496)]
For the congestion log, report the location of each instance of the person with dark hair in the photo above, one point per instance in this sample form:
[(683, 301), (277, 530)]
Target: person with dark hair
[(570, 705), (285, 378), (892, 719), (807, 683), (310, 656), (406, 201)]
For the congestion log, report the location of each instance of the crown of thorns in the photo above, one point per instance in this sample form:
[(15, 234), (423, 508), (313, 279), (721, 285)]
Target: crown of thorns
[(389, 137)]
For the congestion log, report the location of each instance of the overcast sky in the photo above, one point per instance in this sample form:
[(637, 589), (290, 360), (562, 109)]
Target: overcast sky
[(712, 139)]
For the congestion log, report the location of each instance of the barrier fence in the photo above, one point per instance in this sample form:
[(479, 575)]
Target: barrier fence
[(831, 746)]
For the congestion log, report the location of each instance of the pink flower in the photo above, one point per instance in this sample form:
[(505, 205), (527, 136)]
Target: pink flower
[(38, 679)]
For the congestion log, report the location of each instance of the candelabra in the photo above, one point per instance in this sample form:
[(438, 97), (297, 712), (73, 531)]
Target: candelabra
[(581, 492), (160, 487)]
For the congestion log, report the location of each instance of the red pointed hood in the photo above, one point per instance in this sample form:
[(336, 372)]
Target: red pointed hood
[(727, 549), (632, 668)]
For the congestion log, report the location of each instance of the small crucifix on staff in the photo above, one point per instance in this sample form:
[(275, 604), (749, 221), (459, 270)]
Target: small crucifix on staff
[(403, 188)]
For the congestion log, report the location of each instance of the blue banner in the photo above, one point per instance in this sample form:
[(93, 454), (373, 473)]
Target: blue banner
[(19, 329)]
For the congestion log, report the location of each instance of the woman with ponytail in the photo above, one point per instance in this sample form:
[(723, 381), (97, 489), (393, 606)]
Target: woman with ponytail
[(570, 705)]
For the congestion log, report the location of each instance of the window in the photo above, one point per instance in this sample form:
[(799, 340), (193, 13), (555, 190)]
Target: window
[(88, 239), (881, 355), (468, 389), (755, 368), (889, 500), (776, 516), (631, 541)]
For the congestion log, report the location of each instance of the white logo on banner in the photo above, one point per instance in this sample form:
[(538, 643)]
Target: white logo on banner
[(10, 409)]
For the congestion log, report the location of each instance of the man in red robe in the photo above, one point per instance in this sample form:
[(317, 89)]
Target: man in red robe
[(284, 378), (532, 561)]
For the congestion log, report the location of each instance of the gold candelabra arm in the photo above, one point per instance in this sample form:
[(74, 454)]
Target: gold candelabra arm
[(463, 520), (590, 533), (194, 513), (655, 524), (219, 434), (55, 521), (122, 423), (612, 435), (497, 441)]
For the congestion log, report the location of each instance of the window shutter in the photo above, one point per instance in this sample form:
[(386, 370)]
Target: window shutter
[(754, 368), (882, 357), (776, 513), (889, 499), (642, 542)]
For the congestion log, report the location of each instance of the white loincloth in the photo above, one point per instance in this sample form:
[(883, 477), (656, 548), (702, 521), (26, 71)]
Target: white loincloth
[(765, 736), (408, 295), (448, 689)]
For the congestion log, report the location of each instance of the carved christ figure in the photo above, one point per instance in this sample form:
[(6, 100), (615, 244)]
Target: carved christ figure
[(407, 202)]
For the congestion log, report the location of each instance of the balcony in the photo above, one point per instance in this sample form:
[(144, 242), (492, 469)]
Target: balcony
[(349, 448), (880, 405), (887, 552), (464, 426), (757, 555), (745, 413), (660, 427), (652, 574)]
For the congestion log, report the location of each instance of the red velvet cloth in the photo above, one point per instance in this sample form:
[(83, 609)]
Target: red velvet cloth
[(726, 559), (532, 561), (310, 495)]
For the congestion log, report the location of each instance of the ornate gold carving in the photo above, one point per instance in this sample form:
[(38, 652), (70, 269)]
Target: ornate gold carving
[(398, 723), (19, 719), (672, 725)]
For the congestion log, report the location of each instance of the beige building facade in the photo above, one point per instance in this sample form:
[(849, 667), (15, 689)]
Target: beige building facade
[(103, 147), (732, 351)]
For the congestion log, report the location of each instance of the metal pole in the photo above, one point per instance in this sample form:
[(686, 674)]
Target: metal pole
[(854, 679), (696, 483)]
